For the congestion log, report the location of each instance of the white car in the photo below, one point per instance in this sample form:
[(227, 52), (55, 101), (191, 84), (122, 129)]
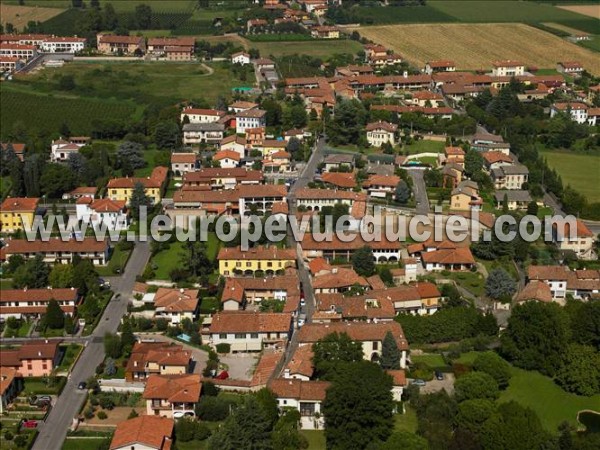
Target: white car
[(300, 322), (302, 302)]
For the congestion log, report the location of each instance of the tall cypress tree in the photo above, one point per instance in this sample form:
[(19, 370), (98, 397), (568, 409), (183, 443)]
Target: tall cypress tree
[(390, 354)]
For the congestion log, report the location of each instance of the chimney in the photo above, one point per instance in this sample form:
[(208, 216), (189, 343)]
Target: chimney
[(405, 74), (46, 341), (286, 373), (39, 353)]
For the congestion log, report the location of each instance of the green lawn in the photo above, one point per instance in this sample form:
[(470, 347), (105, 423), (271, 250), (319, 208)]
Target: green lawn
[(423, 146), (164, 262), (22, 331), (118, 259), (506, 265), (316, 439), (35, 385), (406, 421), (471, 281), (581, 171), (318, 49), (550, 402), (6, 284), (87, 443), (71, 352), (467, 358), (593, 44), (433, 360)]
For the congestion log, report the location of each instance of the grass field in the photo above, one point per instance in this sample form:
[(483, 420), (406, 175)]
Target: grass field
[(474, 46), (20, 15), (550, 402), (586, 10), (316, 439), (433, 360), (580, 171), (593, 44), (318, 49), (423, 146)]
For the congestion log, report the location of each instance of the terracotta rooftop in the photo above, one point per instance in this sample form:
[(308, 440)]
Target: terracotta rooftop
[(174, 388), (398, 377), (311, 194), (186, 158), (535, 290), (34, 350), (7, 376), (226, 154), (176, 300), (161, 353), (550, 273), (495, 157), (449, 256), (309, 243), (301, 363), (19, 246), (19, 204), (339, 179), (38, 295), (298, 389), (271, 253), (339, 278), (360, 307), (382, 125), (317, 265), (155, 180), (148, 431), (358, 331), (265, 368)]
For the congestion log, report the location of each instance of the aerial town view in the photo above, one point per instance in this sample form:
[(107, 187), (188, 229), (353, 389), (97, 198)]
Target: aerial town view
[(300, 224)]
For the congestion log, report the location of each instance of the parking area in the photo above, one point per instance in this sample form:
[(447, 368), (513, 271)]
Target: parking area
[(437, 385), (240, 366)]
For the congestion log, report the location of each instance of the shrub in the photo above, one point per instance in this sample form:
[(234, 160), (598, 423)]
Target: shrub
[(212, 409), (20, 441), (202, 432), (106, 403), (133, 414), (102, 415), (223, 348), (88, 413), (8, 436)]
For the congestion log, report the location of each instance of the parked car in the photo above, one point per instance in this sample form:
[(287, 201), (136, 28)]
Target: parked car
[(103, 283), (42, 400), (29, 423), (418, 382), (439, 375), (302, 302), (82, 385)]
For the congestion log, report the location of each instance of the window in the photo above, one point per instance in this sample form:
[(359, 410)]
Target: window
[(240, 335), (307, 409), (375, 345), (253, 335), (223, 336)]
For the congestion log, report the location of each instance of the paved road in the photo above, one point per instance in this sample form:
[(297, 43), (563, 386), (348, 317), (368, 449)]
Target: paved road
[(54, 430), (420, 191)]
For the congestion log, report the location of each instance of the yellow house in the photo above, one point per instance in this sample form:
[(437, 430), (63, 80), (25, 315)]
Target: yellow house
[(122, 188), (270, 260), (466, 196), (17, 213)]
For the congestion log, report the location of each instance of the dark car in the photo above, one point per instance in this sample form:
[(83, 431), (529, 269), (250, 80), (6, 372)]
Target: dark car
[(439, 375), (82, 385)]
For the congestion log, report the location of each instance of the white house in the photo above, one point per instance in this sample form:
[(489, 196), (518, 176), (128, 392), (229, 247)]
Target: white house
[(251, 118), (576, 110), (305, 396), (61, 150), (58, 44), (234, 143), (227, 159), (508, 68), (102, 212), (242, 58), (198, 115), (379, 133), (183, 163), (554, 276)]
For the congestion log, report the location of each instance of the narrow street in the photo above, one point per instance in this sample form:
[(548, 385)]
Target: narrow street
[(420, 191), (54, 430)]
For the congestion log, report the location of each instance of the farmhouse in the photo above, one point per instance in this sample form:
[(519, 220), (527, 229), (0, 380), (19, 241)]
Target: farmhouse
[(109, 44), (384, 250), (62, 150), (570, 68), (32, 303), (338, 280), (242, 58), (581, 243), (198, 115), (180, 47), (579, 112), (325, 32), (251, 118)]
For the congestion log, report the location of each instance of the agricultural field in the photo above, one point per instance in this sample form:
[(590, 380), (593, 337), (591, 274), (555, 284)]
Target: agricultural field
[(475, 46), (49, 112), (317, 49), (581, 171), (586, 10), (19, 16)]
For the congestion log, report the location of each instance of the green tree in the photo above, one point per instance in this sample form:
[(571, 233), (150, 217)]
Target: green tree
[(54, 317), (473, 413), (358, 407), (505, 207), (473, 162), (536, 337), (112, 346), (246, 429), (404, 440), (268, 404), (475, 385), (348, 123), (33, 274), (167, 135), (138, 200), (331, 351), (532, 208), (495, 366), (110, 18), (143, 16), (580, 370), (61, 276), (363, 261), (402, 193), (500, 285), (127, 336), (390, 353)]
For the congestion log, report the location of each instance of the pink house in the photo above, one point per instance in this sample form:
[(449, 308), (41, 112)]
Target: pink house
[(35, 359)]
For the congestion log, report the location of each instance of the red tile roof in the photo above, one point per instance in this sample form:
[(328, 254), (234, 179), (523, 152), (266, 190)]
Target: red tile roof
[(301, 363), (189, 158), (20, 246), (339, 179), (298, 389), (535, 290), (317, 265), (174, 388), (155, 180), (399, 377), (38, 295), (250, 322), (21, 204), (177, 300), (449, 256), (339, 278), (272, 253), (150, 431), (358, 331), (550, 273), (382, 125)]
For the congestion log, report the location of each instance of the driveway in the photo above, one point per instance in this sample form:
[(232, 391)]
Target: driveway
[(437, 385), (240, 365)]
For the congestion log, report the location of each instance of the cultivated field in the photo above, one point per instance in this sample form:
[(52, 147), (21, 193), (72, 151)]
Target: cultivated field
[(581, 171), (586, 10), (20, 15), (475, 46), (318, 49), (559, 26)]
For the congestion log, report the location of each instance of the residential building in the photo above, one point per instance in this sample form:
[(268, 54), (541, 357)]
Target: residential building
[(574, 68), (32, 303), (143, 433), (427, 99), (122, 188), (19, 51), (182, 163), (110, 44), (339, 180), (239, 106), (217, 178), (251, 118), (511, 177), (17, 148), (300, 367), (58, 44), (270, 260), (304, 396), (384, 250), (10, 64), (62, 150), (33, 359), (577, 111), (10, 386), (445, 255), (580, 240), (250, 331), (555, 277), (162, 46), (175, 305), (203, 133), (486, 142), (339, 162), (316, 199), (369, 334), (17, 213), (57, 251), (242, 58), (535, 291), (260, 198), (179, 53), (172, 396), (381, 186), (399, 383), (508, 68), (379, 133), (241, 291), (493, 160), (452, 155), (234, 143), (439, 66), (161, 358), (199, 115), (325, 32), (465, 196), (338, 280), (228, 159), (111, 214), (515, 199)]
